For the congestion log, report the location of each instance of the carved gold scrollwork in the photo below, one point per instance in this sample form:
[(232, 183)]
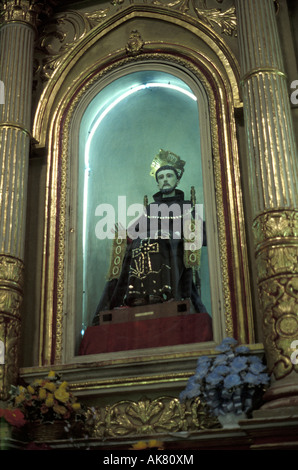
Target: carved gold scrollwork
[(11, 295), (66, 29), (11, 285), (225, 20), (149, 417), (61, 34), (25, 11), (274, 224), (276, 235)]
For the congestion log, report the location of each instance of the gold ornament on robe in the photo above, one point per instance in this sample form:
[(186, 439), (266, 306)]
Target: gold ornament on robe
[(118, 253)]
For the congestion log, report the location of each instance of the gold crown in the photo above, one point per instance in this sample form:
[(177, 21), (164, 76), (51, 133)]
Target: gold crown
[(165, 157)]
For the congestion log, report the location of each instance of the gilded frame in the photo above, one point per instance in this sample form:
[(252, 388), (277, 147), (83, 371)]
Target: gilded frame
[(52, 128)]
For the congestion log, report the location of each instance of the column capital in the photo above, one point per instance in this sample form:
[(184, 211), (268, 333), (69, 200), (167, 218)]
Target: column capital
[(23, 11)]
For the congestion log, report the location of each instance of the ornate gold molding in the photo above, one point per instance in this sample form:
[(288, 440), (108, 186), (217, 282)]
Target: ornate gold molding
[(11, 296), (21, 11), (273, 227), (64, 31), (147, 417), (60, 273), (135, 43), (214, 17), (244, 324), (61, 33), (216, 77), (276, 234)]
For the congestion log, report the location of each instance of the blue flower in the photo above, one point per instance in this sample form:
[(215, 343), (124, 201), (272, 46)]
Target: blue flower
[(201, 371), (232, 380), (192, 382), (256, 367), (191, 390), (252, 379), (239, 363), (229, 381), (203, 362), (221, 370), (242, 350), (220, 359), (226, 344), (213, 378), (183, 396)]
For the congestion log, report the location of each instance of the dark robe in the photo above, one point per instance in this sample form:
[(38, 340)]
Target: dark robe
[(154, 267)]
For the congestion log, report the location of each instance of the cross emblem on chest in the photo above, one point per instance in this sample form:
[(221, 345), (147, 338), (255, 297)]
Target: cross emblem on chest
[(141, 264)]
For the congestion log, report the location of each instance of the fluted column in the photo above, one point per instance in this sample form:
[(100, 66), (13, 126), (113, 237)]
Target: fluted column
[(17, 36), (273, 161)]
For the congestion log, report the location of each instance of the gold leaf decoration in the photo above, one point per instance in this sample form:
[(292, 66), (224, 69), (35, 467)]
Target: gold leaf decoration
[(150, 417)]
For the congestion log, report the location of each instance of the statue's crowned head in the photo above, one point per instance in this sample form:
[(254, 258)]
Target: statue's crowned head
[(167, 160)]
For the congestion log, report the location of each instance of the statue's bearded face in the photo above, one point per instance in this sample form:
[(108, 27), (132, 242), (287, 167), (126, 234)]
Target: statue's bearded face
[(167, 181)]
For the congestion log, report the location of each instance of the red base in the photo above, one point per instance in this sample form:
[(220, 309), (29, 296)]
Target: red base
[(168, 331)]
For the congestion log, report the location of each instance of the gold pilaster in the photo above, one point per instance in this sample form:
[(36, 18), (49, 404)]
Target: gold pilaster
[(11, 295), (272, 155), (17, 36)]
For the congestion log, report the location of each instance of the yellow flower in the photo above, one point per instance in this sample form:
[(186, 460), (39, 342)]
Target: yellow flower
[(49, 400), (19, 399), (59, 409), (146, 445), (76, 406), (42, 393), (156, 444), (62, 395), (140, 445), (31, 389), (37, 382), (50, 386), (52, 374), (64, 385)]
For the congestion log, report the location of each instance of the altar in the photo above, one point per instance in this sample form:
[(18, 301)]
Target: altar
[(150, 326)]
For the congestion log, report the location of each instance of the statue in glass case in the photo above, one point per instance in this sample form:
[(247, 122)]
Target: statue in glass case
[(158, 258)]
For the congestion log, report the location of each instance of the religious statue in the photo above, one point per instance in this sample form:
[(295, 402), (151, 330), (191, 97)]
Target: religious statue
[(158, 258)]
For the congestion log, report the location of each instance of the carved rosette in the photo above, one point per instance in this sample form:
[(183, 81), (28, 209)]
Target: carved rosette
[(276, 234), (135, 43), (11, 295), (147, 417)]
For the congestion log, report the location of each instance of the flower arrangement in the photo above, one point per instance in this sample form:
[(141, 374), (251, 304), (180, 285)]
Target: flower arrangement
[(46, 400), (230, 382)]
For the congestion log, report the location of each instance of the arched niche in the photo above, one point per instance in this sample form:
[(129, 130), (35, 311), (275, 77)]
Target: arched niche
[(201, 61)]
